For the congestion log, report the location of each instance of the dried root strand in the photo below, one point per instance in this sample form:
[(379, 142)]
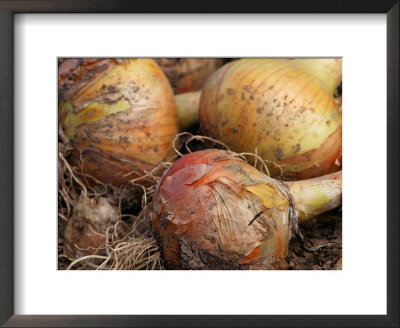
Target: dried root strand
[(147, 183), (191, 138), (259, 162), (71, 172), (129, 244), (127, 248), (68, 193)]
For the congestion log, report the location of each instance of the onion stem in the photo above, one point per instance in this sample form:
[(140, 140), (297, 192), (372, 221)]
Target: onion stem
[(316, 196), (328, 70), (187, 108)]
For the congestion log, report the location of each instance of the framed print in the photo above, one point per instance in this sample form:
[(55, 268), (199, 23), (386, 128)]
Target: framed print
[(185, 130)]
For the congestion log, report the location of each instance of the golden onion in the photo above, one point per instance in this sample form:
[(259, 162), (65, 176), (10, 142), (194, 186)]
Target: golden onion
[(118, 114), (282, 108)]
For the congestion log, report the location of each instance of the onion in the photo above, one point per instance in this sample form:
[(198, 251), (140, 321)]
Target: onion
[(188, 74), (118, 114), (282, 108), (187, 108), (212, 210), (85, 233)]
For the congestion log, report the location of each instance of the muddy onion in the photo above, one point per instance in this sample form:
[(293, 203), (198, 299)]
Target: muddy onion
[(284, 108), (119, 115), (212, 210), (85, 233), (188, 74)]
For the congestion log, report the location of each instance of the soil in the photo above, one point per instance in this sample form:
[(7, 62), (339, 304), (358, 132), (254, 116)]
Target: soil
[(322, 246), (324, 232)]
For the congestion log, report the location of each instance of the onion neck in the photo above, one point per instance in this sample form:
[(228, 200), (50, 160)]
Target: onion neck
[(316, 196), (328, 70), (187, 108)]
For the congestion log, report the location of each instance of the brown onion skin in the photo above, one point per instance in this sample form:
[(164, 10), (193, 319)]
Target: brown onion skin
[(188, 74), (284, 111), (119, 115), (202, 209)]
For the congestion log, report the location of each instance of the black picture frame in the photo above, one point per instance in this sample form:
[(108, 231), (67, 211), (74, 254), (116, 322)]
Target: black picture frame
[(7, 11)]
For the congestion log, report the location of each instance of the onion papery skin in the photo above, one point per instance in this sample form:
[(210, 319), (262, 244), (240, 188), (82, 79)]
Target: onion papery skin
[(203, 210), (85, 233), (188, 74), (119, 115), (279, 108)]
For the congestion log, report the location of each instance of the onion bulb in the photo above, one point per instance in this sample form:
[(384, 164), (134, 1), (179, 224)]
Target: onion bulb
[(85, 233), (212, 210), (118, 114), (188, 74), (283, 108)]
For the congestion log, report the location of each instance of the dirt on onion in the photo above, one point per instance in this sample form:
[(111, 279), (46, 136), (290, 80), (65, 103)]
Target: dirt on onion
[(119, 116), (283, 107), (131, 246)]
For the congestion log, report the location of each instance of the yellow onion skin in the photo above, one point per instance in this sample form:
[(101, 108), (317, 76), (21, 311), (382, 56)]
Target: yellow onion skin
[(85, 233), (188, 74), (279, 107), (119, 115), (211, 210)]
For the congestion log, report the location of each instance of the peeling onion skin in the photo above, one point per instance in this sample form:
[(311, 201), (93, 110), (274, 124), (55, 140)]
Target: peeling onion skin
[(281, 107), (188, 74), (85, 233), (203, 210), (119, 114)]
